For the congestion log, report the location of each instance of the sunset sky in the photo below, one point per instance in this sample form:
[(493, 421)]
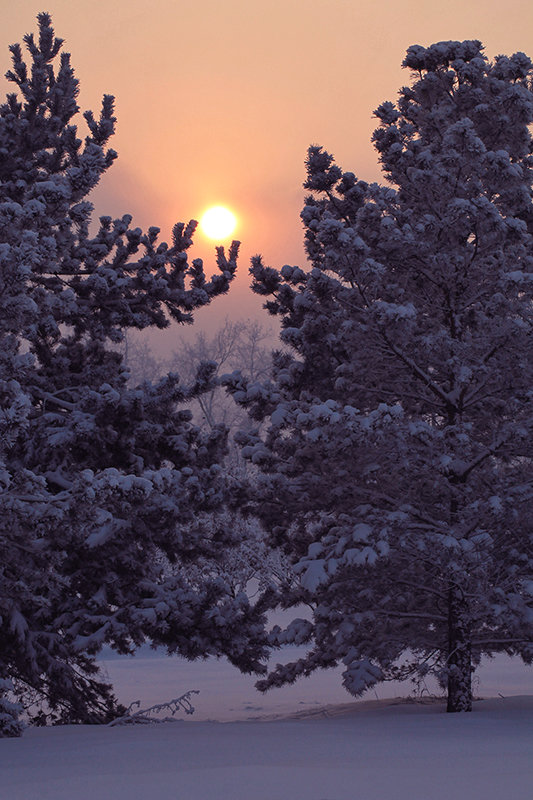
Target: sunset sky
[(218, 100)]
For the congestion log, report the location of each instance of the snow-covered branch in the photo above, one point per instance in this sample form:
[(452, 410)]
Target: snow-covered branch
[(148, 716)]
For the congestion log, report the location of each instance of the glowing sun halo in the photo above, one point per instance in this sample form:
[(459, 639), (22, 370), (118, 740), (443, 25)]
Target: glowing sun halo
[(218, 223)]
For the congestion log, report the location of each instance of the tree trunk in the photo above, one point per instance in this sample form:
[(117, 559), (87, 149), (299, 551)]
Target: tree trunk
[(459, 654)]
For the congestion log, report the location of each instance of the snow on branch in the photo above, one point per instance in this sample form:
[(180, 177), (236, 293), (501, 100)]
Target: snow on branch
[(144, 716)]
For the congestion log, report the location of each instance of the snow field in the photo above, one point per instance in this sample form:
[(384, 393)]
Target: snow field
[(226, 695), (369, 751)]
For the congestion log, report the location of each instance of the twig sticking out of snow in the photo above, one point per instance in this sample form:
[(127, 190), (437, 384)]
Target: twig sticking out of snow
[(143, 716)]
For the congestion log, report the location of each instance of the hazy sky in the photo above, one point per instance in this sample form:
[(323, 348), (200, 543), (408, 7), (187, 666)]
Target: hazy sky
[(218, 100)]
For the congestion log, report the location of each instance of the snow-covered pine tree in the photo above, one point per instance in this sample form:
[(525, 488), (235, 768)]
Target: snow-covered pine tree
[(398, 459), (100, 483)]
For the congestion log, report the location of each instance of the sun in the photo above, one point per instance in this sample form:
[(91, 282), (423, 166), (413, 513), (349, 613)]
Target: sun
[(218, 222)]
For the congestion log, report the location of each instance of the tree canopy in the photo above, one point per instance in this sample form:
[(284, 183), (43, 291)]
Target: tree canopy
[(397, 457), (102, 484)]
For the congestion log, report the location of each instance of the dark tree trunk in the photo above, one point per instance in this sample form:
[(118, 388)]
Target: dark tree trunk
[(459, 654)]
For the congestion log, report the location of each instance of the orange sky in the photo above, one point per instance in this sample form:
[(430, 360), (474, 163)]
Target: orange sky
[(218, 100)]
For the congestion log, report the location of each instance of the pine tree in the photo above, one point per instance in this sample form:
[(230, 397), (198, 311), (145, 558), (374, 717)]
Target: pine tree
[(397, 462), (101, 484)]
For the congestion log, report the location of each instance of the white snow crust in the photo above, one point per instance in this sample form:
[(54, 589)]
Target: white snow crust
[(369, 751), (303, 742)]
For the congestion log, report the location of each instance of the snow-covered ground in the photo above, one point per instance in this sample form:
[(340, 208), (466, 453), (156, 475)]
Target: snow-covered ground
[(320, 746), (226, 695), (370, 751)]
